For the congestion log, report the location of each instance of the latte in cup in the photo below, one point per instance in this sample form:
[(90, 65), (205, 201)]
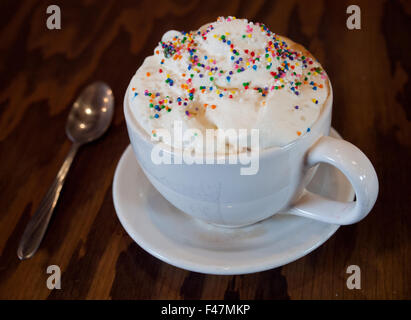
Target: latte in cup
[(234, 76), (229, 74)]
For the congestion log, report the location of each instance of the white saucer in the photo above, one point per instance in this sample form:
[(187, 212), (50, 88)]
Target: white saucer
[(174, 237)]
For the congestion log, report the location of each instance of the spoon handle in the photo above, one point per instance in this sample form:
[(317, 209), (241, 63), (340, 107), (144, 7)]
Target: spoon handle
[(37, 226)]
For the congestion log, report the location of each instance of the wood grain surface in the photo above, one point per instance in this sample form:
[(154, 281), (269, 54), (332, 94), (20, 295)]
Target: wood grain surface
[(42, 71)]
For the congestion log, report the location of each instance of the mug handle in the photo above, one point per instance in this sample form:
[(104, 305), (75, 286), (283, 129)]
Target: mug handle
[(359, 171)]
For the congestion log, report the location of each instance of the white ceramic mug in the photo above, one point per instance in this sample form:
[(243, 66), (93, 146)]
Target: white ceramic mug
[(218, 194)]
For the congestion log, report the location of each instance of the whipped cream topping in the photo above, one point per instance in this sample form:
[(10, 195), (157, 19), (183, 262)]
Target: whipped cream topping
[(229, 74)]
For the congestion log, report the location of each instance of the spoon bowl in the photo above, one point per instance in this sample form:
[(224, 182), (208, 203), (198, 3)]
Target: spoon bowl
[(91, 113)]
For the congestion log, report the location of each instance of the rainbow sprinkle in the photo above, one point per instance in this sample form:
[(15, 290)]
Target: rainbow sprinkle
[(283, 71)]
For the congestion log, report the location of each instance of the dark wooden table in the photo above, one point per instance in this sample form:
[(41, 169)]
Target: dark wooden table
[(42, 71)]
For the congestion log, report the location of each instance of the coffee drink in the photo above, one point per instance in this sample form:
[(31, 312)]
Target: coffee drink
[(229, 74)]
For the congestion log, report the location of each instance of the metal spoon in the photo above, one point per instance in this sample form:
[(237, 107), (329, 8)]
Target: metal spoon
[(89, 118)]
